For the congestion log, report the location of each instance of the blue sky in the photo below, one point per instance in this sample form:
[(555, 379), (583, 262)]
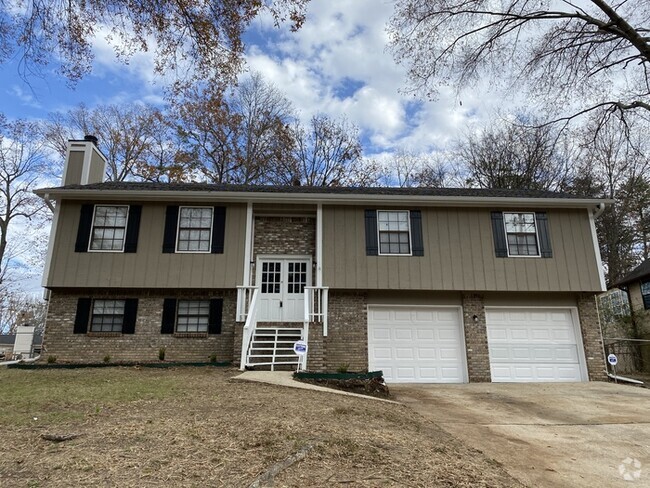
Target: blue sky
[(336, 64)]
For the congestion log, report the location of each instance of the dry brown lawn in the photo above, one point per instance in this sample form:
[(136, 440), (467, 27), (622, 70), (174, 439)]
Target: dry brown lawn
[(196, 427)]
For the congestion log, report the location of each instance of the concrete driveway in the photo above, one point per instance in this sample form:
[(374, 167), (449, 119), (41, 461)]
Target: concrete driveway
[(547, 435)]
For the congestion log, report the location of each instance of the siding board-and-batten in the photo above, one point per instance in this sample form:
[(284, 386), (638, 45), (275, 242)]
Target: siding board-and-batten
[(148, 267), (459, 254)]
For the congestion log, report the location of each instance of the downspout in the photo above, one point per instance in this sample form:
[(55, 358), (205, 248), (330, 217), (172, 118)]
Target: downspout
[(598, 211)]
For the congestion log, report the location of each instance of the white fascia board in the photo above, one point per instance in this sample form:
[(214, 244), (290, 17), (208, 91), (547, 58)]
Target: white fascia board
[(322, 198)]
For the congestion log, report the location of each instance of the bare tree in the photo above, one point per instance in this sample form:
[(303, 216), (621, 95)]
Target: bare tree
[(130, 136), (240, 136), (407, 169), (206, 34), (18, 308), (510, 155), (580, 55), (617, 167), (327, 153), (22, 161)]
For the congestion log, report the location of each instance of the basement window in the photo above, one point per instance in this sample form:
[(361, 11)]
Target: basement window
[(107, 316), (193, 316)]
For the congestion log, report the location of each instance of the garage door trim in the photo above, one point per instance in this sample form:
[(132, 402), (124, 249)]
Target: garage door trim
[(457, 308), (575, 319)]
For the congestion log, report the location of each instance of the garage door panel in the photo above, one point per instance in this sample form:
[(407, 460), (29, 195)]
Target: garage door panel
[(403, 334), (425, 348), (533, 345)]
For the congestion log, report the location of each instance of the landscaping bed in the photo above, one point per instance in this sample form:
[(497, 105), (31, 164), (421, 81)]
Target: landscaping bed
[(370, 383)]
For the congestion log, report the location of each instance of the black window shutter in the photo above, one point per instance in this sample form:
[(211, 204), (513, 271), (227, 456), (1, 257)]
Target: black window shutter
[(214, 322), (82, 316), (130, 314), (168, 316), (542, 233), (499, 233), (171, 223), (85, 226), (417, 244), (218, 230), (133, 229), (371, 233)]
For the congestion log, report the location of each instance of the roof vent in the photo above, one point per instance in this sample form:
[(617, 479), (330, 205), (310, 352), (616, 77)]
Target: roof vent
[(90, 138)]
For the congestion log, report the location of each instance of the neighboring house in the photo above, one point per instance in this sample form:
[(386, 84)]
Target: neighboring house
[(428, 285), (7, 342), (637, 285)]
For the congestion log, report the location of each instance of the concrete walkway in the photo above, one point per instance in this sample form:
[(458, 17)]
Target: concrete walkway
[(285, 378)]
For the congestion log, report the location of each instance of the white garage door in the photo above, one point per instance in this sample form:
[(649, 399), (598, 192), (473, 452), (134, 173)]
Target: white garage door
[(416, 344), (533, 344)]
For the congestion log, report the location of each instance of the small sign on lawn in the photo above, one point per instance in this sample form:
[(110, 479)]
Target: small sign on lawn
[(300, 348)]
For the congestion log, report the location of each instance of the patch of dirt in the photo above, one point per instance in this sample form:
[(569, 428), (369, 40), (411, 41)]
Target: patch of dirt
[(193, 427)]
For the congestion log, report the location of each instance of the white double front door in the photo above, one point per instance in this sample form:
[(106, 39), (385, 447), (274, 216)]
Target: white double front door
[(281, 283)]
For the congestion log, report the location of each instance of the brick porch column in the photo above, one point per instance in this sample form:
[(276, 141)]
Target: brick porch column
[(237, 338), (476, 343), (592, 337), (316, 348)]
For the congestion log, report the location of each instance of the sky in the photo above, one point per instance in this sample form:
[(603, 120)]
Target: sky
[(337, 64)]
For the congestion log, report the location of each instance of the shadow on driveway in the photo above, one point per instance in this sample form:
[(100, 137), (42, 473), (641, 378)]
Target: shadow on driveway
[(547, 435)]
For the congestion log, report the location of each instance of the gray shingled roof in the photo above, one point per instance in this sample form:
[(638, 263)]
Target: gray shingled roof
[(341, 190), (637, 274)]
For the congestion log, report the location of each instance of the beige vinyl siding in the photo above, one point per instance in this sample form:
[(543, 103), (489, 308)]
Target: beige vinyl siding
[(459, 254), (149, 267)]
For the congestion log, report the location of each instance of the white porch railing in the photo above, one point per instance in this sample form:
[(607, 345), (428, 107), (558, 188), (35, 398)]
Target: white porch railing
[(249, 327), (316, 305), (244, 299)]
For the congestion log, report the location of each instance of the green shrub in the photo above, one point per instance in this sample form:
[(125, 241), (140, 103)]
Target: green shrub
[(161, 353), (343, 368), (213, 357), (51, 359), (107, 358)]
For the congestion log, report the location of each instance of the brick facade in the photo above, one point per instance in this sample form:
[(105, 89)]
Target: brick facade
[(592, 338), (346, 343), (476, 342), (147, 340), (294, 236)]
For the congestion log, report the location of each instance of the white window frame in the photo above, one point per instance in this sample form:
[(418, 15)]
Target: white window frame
[(178, 229), (505, 230), (92, 228), (408, 221), (178, 307), (92, 314)]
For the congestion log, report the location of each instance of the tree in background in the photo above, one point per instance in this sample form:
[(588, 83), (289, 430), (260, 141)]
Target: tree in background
[(136, 140), (511, 155), (22, 162), (18, 308), (239, 136), (407, 169), (577, 57), (327, 153), (615, 165), (199, 37)]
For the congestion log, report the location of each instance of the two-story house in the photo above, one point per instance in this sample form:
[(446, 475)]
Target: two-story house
[(426, 284)]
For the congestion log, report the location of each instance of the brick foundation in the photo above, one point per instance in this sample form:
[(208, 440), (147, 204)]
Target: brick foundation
[(592, 338), (476, 342), (147, 340)]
